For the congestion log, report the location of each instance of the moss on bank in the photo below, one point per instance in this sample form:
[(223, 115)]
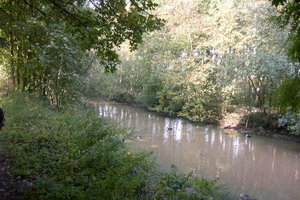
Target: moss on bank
[(75, 154)]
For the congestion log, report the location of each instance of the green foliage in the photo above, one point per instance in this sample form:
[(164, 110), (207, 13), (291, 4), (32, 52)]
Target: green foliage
[(287, 95), (294, 48), (290, 121), (202, 109), (199, 71), (64, 65), (44, 44), (74, 154), (99, 25), (289, 15), (186, 186), (287, 101)]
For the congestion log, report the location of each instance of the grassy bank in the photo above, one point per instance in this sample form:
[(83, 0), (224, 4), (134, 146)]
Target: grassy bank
[(75, 154)]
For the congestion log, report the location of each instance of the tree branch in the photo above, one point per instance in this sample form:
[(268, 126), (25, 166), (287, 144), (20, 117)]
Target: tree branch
[(32, 6)]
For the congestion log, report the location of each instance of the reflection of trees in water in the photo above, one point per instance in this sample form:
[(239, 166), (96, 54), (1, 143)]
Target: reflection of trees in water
[(263, 167)]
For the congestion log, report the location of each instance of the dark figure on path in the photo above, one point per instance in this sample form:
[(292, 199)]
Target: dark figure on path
[(2, 119)]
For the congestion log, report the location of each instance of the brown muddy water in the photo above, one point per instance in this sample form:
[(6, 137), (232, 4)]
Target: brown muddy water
[(266, 168)]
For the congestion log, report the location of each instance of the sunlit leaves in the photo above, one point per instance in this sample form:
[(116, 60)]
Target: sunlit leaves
[(117, 21), (227, 53)]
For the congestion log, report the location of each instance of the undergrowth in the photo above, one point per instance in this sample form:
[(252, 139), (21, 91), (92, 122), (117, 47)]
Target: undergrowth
[(75, 154)]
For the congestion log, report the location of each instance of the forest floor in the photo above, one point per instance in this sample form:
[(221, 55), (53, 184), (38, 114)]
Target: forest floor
[(11, 187)]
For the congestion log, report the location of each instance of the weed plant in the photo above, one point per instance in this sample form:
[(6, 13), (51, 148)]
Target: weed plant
[(75, 154)]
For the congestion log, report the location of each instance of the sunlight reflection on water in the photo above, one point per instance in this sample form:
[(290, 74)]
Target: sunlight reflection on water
[(262, 167)]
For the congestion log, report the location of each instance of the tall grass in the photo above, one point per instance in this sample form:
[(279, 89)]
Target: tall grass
[(75, 154)]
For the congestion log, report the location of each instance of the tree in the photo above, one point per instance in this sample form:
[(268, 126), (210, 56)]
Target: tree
[(102, 25), (209, 56), (44, 42), (254, 58), (290, 16)]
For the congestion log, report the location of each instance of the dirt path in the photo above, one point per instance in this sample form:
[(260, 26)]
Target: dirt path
[(10, 187)]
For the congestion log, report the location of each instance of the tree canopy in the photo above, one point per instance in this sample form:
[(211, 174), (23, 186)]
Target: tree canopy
[(210, 57), (45, 43), (100, 25), (290, 16)]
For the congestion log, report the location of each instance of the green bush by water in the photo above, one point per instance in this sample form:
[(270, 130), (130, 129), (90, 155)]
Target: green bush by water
[(75, 154)]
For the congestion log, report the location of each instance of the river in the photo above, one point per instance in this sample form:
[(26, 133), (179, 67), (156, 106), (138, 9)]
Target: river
[(266, 168)]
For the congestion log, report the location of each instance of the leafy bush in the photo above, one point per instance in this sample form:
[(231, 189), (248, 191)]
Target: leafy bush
[(186, 186), (72, 154), (287, 95), (287, 99), (75, 154), (290, 120)]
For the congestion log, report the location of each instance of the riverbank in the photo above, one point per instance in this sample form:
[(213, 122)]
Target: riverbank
[(74, 154), (255, 123), (74, 125), (242, 163), (267, 126)]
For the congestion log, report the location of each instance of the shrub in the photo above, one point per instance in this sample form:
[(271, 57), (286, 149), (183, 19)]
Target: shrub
[(287, 95), (71, 154), (75, 154), (174, 185), (290, 120)]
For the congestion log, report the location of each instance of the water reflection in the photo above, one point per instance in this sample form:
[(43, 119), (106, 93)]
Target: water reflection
[(262, 167)]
